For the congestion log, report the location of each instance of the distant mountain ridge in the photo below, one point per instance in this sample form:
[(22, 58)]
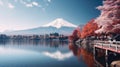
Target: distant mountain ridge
[(59, 25)]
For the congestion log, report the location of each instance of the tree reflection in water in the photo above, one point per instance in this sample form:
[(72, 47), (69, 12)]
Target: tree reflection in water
[(50, 43), (87, 56)]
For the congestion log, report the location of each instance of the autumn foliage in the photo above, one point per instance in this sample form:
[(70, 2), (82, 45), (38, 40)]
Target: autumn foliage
[(108, 21), (75, 35), (89, 29)]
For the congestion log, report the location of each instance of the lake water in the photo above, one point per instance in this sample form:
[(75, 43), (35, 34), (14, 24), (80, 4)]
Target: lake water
[(42, 54)]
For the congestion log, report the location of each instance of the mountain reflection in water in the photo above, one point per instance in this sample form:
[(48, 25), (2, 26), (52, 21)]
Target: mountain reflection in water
[(37, 53), (58, 55)]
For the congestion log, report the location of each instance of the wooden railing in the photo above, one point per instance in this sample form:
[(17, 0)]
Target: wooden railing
[(109, 45)]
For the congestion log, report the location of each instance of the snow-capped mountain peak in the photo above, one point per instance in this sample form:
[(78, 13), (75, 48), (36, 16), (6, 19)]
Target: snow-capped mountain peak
[(59, 26), (58, 23)]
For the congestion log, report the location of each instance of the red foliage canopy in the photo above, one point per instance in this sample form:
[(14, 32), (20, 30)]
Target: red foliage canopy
[(78, 32), (75, 35), (89, 29)]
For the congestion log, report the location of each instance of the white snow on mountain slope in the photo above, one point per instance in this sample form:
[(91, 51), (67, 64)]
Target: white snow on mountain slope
[(58, 23)]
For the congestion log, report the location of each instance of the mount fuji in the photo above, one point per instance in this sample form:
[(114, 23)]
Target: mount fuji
[(59, 25)]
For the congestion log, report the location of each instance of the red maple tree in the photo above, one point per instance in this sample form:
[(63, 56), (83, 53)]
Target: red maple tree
[(89, 29), (75, 35)]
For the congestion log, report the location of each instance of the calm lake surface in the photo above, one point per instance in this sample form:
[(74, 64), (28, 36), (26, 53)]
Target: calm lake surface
[(42, 54)]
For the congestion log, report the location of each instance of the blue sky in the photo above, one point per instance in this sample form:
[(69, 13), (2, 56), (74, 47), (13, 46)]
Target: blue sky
[(24, 14)]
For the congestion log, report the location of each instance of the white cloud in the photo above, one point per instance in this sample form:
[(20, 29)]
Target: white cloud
[(35, 3), (32, 4), (58, 55), (49, 1), (29, 5), (26, 3), (11, 6)]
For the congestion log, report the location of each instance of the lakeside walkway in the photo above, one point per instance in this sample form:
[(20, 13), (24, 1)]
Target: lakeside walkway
[(113, 46), (108, 45)]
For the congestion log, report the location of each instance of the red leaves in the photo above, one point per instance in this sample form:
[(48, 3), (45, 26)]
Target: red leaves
[(89, 29), (75, 35)]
